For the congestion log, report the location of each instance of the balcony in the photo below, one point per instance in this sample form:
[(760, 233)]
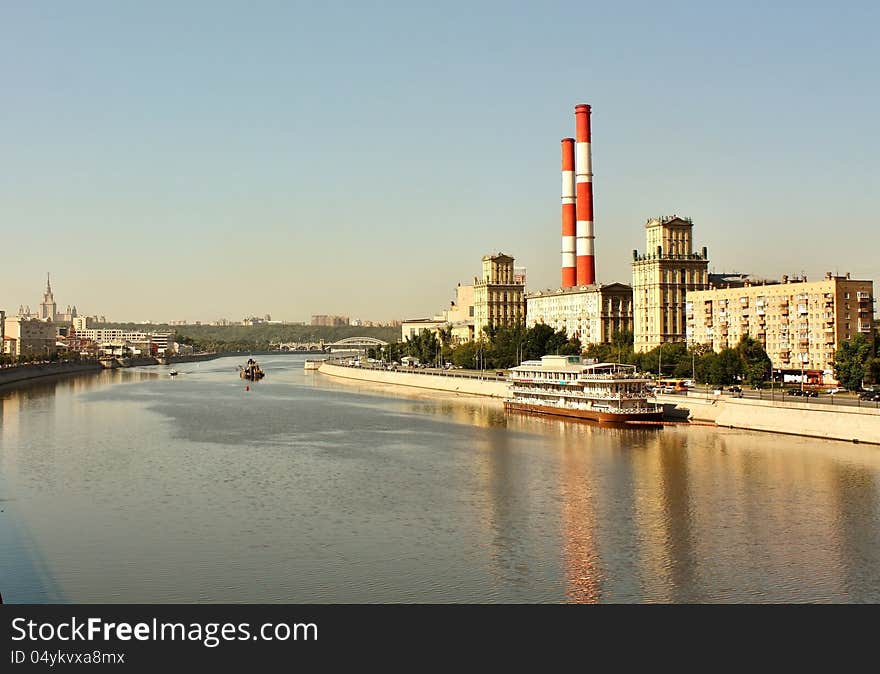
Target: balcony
[(863, 297), (865, 327)]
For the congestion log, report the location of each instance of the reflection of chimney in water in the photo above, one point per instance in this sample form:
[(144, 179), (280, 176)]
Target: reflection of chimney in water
[(586, 260), (569, 266)]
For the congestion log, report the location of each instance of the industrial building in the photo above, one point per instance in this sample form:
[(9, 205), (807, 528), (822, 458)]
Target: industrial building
[(800, 324)]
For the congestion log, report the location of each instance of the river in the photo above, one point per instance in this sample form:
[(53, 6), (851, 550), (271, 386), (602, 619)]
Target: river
[(133, 486)]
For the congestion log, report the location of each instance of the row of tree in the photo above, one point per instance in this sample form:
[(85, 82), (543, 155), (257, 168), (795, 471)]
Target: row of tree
[(499, 348), (746, 362), (856, 362)]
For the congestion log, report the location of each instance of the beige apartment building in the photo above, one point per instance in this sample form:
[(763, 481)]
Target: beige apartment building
[(499, 300), (662, 279), (29, 336), (799, 323), (591, 313)]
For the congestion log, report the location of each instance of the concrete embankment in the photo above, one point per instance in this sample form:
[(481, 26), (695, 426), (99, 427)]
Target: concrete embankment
[(20, 373), (793, 418), (439, 382)]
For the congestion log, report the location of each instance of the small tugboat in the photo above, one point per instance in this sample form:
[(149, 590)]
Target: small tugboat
[(251, 371)]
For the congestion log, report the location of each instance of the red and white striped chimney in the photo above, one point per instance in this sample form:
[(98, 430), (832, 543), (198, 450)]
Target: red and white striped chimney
[(569, 266), (586, 259)]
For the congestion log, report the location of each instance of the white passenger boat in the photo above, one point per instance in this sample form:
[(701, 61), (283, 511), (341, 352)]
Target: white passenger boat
[(569, 386)]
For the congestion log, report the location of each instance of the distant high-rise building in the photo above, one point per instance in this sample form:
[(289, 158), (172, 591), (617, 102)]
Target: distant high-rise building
[(47, 308), (326, 321)]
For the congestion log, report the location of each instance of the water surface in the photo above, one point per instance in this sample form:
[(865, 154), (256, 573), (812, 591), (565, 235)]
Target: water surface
[(132, 486)]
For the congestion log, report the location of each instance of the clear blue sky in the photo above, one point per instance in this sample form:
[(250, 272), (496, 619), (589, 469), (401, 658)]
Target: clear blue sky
[(195, 160)]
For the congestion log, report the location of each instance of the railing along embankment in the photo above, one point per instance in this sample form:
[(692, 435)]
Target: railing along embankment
[(437, 380)]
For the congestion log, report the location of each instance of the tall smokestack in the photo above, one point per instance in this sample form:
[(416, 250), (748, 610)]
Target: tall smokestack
[(586, 260), (569, 266)]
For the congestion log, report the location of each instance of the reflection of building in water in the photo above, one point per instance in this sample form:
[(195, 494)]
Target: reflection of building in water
[(857, 498), (664, 511), (579, 554)]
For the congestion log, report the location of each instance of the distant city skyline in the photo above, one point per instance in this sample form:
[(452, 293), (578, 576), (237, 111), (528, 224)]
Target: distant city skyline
[(209, 161)]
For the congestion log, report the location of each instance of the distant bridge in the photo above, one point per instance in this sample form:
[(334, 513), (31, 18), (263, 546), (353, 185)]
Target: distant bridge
[(355, 344), (298, 346)]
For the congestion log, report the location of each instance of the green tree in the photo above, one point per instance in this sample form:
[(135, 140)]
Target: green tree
[(851, 362), (756, 363)]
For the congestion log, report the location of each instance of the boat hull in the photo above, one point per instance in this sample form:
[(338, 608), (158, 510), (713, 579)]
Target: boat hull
[(590, 415)]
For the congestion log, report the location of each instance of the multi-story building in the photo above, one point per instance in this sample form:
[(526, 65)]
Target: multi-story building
[(29, 336), (325, 321), (459, 317), (147, 343), (47, 307), (498, 299), (662, 278), (799, 323), (591, 313)]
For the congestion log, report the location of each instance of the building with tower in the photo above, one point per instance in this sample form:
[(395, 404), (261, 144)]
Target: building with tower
[(498, 299), (47, 307), (662, 277)]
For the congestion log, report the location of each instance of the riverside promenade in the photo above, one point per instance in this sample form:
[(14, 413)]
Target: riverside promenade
[(19, 373), (816, 420), (486, 385)]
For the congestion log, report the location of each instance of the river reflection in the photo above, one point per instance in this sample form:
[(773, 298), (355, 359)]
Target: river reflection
[(135, 486)]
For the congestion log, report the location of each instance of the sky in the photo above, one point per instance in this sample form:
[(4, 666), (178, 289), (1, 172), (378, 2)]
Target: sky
[(199, 160)]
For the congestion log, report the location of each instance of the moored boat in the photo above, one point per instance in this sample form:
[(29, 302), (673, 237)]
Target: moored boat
[(568, 386)]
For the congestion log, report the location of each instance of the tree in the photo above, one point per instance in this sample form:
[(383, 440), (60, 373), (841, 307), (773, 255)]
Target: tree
[(851, 362), (755, 361), (725, 368)]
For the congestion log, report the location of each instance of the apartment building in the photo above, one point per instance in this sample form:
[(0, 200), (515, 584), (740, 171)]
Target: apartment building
[(591, 313), (799, 323)]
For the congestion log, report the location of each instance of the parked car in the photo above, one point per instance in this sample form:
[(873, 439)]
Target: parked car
[(735, 389), (794, 392), (811, 394)]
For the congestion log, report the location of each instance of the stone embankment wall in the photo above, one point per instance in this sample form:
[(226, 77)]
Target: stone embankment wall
[(793, 418), (451, 383), (20, 373)]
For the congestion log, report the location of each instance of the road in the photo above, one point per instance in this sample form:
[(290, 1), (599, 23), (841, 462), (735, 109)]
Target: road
[(777, 395)]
